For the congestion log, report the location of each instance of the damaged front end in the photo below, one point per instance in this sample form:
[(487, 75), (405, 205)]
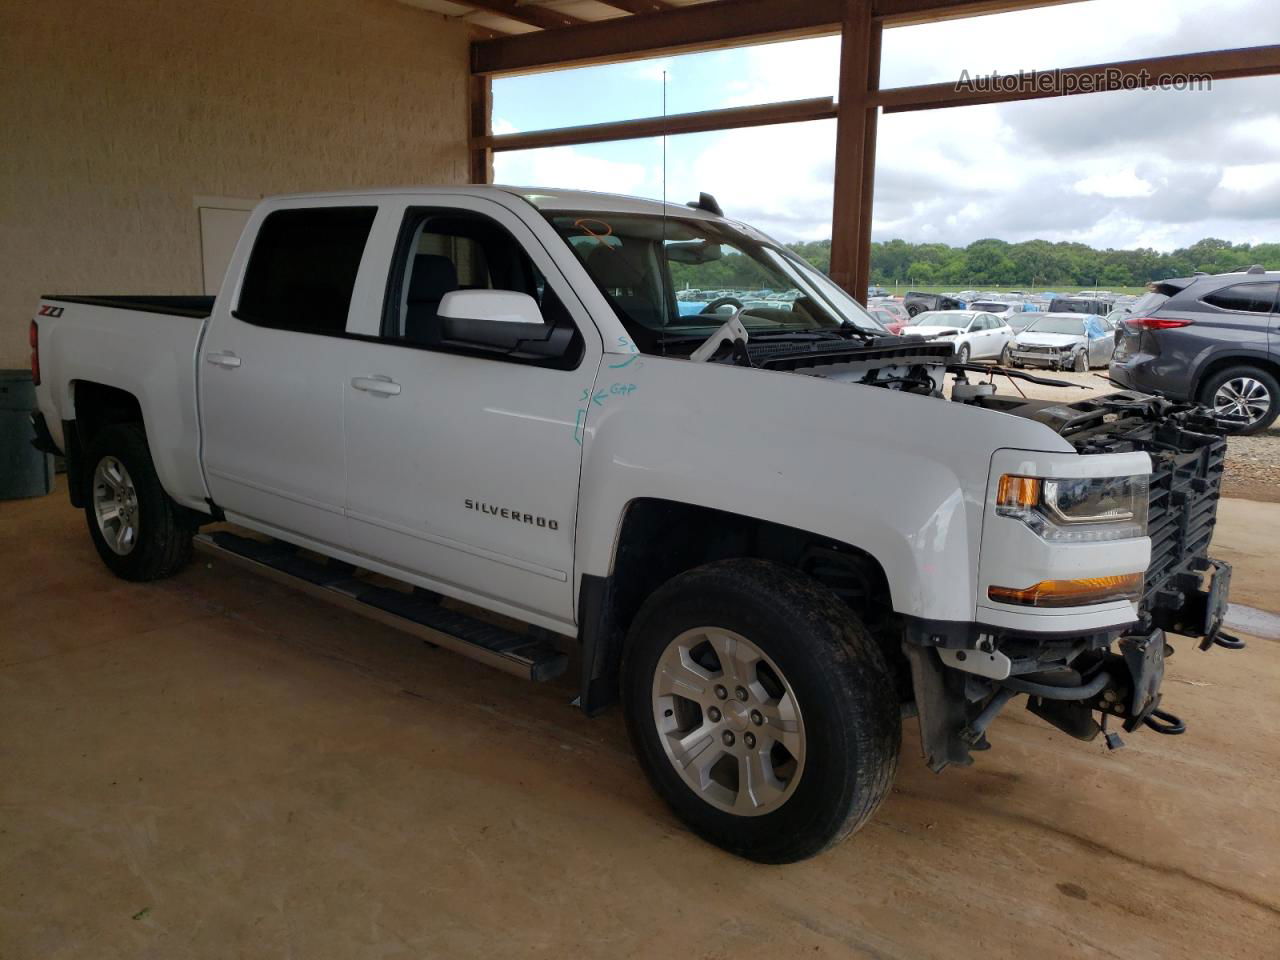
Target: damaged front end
[(965, 674)]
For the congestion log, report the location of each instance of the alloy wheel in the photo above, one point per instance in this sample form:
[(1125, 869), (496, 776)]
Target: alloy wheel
[(115, 505), (728, 721), (1243, 399)]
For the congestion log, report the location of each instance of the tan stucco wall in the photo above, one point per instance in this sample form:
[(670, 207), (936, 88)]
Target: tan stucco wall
[(115, 115)]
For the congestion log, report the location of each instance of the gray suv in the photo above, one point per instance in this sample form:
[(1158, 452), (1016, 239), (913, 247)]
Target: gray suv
[(1213, 339)]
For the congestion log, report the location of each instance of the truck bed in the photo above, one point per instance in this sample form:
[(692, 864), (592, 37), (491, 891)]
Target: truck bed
[(179, 306), (139, 346)]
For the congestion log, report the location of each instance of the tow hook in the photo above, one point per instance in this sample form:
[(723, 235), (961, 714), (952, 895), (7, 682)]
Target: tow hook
[(1162, 721), (1224, 640)]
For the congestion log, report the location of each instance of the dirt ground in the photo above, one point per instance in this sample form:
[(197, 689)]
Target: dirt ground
[(214, 766)]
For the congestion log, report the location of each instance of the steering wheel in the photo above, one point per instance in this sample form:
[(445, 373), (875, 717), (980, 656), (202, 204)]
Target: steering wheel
[(715, 305)]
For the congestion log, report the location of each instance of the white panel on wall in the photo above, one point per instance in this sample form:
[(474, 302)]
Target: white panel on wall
[(220, 226)]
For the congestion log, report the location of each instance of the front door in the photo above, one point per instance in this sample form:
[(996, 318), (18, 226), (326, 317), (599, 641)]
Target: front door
[(272, 372), (462, 465)]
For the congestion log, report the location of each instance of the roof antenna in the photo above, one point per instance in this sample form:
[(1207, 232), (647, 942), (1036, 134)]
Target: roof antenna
[(665, 271)]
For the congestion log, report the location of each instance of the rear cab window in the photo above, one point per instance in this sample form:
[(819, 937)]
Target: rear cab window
[(302, 270)]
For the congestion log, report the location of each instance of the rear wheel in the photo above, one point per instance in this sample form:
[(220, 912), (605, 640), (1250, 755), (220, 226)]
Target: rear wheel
[(761, 709), (139, 532), (1246, 397)]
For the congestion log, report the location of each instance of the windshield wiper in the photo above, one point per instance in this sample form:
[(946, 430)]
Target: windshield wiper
[(867, 335)]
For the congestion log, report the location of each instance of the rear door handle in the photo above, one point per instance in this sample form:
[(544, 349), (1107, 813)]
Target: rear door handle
[(379, 386), (224, 359)]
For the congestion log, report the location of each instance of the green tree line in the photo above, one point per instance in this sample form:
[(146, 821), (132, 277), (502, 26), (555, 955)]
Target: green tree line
[(1041, 264), (1034, 264)]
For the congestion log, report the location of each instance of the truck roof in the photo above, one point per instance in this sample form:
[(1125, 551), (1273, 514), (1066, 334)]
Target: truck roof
[(544, 198)]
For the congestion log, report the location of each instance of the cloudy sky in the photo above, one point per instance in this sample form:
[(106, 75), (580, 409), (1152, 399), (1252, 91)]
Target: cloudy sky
[(1140, 168)]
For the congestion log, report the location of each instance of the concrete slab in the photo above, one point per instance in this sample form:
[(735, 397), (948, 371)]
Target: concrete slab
[(214, 766)]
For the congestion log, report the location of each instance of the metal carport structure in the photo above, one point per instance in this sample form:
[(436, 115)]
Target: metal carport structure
[(525, 36)]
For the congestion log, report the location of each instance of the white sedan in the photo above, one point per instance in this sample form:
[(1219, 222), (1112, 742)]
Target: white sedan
[(977, 335)]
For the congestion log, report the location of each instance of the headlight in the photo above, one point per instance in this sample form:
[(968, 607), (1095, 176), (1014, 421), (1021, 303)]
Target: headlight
[(1084, 510)]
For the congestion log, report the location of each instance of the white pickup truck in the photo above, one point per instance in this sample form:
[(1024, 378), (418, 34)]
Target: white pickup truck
[(772, 530)]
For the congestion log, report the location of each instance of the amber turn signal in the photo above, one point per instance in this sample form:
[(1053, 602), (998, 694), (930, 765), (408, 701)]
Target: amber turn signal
[(1015, 491), (1071, 593)]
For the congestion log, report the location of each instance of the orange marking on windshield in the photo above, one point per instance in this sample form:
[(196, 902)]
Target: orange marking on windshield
[(597, 237)]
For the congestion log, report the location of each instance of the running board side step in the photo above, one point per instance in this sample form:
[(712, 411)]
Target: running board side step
[(418, 613)]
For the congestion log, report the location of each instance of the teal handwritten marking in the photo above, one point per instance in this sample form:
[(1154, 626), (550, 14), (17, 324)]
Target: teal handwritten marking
[(598, 398), (625, 343)]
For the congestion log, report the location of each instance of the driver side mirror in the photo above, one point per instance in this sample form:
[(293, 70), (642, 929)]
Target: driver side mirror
[(500, 321)]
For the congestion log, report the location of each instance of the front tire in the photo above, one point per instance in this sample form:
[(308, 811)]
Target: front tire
[(962, 355), (1247, 394), (1006, 355), (1081, 364), (761, 709), (139, 532)]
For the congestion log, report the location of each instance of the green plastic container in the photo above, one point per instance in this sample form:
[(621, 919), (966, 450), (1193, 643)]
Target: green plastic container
[(24, 470)]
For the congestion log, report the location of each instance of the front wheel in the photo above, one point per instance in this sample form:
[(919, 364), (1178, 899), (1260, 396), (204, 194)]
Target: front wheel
[(761, 709), (139, 532), (962, 355), (1081, 364), (1006, 355)]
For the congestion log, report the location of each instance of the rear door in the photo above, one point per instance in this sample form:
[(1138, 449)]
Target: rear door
[(463, 466), (272, 372), (1241, 315), (986, 341)]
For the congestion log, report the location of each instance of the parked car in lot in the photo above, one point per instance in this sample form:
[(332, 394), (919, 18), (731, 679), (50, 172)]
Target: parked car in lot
[(1093, 305), (1062, 341), (889, 312), (1004, 309), (919, 302), (1214, 339), (482, 395), (977, 335)]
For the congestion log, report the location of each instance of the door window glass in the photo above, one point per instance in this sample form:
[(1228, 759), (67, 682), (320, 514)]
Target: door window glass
[(445, 251), (303, 268), (1246, 297)]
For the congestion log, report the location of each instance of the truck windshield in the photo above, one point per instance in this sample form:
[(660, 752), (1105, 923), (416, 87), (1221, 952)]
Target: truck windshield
[(672, 279)]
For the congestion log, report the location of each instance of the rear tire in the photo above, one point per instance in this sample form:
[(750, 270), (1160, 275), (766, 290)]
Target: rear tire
[(139, 532), (1243, 390), (814, 728)]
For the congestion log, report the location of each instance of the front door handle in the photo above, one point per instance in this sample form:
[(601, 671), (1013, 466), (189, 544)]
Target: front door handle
[(224, 359), (379, 386)]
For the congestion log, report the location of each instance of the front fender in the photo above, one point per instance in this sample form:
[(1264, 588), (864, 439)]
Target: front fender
[(899, 476)]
